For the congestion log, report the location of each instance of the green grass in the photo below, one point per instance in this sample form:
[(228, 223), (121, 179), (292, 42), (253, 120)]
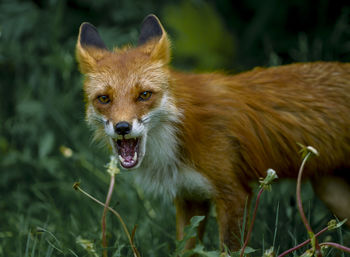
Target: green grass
[(58, 220)]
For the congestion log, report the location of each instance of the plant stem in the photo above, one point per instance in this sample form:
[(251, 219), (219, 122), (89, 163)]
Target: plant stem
[(103, 221), (300, 205), (302, 244), (301, 210), (335, 245), (136, 254), (251, 225)]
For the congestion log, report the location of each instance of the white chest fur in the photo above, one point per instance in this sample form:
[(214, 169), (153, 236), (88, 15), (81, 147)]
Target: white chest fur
[(161, 171), (171, 182)]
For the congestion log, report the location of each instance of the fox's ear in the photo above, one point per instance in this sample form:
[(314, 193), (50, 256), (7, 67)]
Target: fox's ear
[(90, 47), (154, 39)]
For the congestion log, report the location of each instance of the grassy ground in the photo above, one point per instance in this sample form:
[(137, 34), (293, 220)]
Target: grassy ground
[(51, 219)]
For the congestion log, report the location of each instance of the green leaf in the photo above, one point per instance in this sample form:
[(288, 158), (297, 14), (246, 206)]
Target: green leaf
[(199, 251), (235, 254), (248, 250), (190, 232), (46, 144)]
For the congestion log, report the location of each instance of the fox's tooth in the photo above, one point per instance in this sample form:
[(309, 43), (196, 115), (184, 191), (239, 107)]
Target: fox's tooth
[(121, 158), (135, 157)]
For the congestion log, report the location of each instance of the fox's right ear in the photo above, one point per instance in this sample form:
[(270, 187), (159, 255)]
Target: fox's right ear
[(154, 39), (90, 47)]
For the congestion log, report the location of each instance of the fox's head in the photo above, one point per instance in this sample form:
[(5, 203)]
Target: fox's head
[(126, 90)]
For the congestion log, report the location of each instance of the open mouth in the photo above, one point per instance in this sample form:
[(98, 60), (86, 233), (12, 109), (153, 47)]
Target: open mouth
[(128, 151)]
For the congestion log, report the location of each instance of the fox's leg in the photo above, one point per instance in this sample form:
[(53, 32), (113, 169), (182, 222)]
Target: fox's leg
[(335, 193), (230, 211), (185, 210)]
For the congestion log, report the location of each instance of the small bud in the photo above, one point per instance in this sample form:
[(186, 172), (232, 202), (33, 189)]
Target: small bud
[(333, 224), (66, 151), (266, 182), (76, 185), (324, 247), (87, 245), (306, 150), (308, 253), (272, 174), (112, 167), (269, 252), (312, 150)]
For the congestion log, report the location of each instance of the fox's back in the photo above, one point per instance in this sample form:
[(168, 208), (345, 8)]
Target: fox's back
[(263, 114)]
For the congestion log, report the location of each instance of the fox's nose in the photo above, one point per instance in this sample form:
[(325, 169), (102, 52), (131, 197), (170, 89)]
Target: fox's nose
[(122, 128)]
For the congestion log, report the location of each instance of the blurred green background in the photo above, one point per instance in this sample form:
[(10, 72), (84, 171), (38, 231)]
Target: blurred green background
[(42, 116)]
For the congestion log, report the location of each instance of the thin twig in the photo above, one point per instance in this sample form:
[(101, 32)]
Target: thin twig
[(301, 210), (103, 221), (300, 205), (302, 244), (335, 245), (251, 225)]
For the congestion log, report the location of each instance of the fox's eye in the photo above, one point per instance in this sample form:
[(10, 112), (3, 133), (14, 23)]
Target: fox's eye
[(144, 96), (103, 99)]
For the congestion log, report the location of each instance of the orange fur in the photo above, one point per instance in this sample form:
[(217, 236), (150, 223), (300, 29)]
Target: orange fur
[(229, 129), (236, 127)]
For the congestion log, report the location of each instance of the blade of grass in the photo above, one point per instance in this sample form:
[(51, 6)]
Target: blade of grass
[(54, 247), (341, 239), (245, 220), (276, 225), (73, 252), (49, 251), (27, 245), (34, 246)]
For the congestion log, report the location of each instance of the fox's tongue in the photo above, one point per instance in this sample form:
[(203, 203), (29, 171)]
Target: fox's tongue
[(127, 152)]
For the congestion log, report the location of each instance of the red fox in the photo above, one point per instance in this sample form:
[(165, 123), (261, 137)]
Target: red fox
[(202, 138)]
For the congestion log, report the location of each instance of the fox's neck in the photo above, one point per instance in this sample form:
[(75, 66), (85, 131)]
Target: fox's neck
[(159, 169), (165, 169)]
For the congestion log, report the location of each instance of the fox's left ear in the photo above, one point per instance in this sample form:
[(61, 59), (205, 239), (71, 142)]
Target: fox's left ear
[(90, 47), (154, 39)]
